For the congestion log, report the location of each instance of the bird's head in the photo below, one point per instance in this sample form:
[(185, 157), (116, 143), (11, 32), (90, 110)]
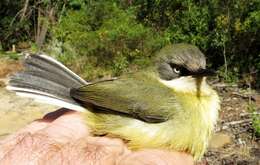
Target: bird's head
[(182, 67)]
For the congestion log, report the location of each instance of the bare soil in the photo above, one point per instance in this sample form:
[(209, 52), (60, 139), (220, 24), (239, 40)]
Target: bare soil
[(8, 66), (234, 142)]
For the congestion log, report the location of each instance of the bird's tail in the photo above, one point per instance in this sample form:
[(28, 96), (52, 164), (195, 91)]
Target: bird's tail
[(46, 80)]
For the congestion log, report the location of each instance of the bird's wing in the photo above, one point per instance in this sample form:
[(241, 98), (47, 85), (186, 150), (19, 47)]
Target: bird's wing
[(137, 98)]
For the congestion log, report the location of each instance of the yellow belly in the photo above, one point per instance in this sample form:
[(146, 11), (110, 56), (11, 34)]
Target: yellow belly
[(188, 131)]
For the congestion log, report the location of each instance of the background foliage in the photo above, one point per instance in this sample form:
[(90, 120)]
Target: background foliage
[(106, 38)]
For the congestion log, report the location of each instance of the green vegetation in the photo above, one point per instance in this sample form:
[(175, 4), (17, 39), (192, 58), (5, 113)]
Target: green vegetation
[(255, 118), (256, 124), (107, 38), (9, 55)]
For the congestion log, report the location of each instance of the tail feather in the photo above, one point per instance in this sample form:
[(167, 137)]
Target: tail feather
[(40, 83), (46, 80), (50, 65)]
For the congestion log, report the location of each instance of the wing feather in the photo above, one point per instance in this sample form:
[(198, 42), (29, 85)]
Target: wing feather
[(132, 96)]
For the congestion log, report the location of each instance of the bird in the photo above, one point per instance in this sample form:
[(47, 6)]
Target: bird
[(168, 105)]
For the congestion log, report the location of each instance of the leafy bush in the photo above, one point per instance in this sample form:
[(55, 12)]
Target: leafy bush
[(12, 31), (226, 31), (115, 36), (106, 38)]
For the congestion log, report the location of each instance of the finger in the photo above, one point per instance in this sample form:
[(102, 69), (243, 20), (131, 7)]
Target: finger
[(29, 149), (155, 157), (31, 128), (59, 125), (32, 146), (42, 150), (68, 127), (12, 140), (94, 150)]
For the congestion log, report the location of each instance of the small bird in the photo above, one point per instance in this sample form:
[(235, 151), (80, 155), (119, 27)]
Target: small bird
[(168, 105)]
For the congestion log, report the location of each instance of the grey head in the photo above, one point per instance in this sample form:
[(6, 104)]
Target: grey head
[(178, 60)]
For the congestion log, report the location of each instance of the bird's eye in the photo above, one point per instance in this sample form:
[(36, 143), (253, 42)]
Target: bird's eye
[(176, 70)]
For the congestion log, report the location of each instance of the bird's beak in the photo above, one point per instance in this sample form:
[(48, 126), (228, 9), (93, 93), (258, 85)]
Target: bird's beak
[(204, 73)]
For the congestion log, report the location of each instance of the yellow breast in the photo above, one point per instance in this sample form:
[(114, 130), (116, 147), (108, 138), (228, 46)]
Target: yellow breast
[(189, 130)]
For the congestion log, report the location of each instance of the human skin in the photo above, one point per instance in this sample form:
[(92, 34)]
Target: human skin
[(62, 137)]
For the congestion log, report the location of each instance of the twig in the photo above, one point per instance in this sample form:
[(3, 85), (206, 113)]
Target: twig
[(26, 3), (232, 123), (247, 114), (222, 85), (238, 122), (17, 14), (244, 96)]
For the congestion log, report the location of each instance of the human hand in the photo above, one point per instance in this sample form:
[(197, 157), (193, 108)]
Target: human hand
[(62, 137)]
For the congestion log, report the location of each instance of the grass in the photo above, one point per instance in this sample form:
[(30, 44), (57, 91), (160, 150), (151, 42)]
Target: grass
[(10, 55), (255, 119)]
